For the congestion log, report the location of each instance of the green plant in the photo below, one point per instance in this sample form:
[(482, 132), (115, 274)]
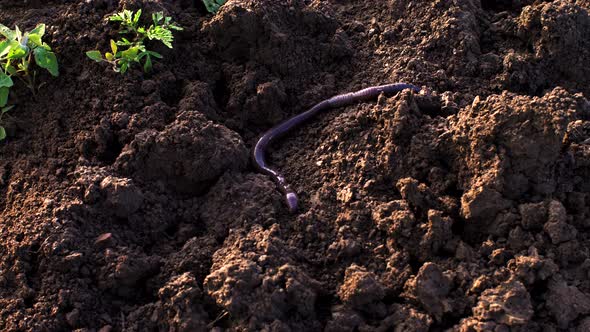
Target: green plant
[(2, 112), (18, 51), (213, 5), (125, 52)]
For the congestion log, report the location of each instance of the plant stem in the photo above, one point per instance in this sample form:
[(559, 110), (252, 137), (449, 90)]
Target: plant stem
[(30, 82)]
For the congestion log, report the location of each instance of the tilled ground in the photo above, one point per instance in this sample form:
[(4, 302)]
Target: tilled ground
[(129, 203)]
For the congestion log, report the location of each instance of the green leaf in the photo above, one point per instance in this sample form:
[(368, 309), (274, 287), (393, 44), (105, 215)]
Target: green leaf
[(4, 47), (114, 46), (137, 16), (6, 32), (130, 54), (36, 40), (150, 54), (123, 42), (4, 91), (94, 55), (7, 108), (17, 51), (147, 66), (155, 54), (5, 80), (213, 5), (128, 14), (162, 34), (39, 30), (157, 17), (2, 133), (124, 67), (126, 18), (118, 17), (19, 34), (175, 27), (10, 69), (46, 59)]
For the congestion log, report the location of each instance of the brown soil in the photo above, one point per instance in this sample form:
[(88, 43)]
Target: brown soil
[(129, 202)]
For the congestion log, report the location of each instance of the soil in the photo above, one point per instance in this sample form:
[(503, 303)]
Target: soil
[(129, 203)]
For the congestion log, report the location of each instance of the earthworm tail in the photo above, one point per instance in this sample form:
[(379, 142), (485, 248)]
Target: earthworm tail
[(259, 151)]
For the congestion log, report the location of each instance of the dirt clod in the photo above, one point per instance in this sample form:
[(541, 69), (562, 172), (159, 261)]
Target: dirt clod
[(122, 197), (360, 289), (430, 288), (188, 155), (560, 302), (508, 305)]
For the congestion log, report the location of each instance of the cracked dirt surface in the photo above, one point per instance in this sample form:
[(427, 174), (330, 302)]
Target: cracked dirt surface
[(129, 203)]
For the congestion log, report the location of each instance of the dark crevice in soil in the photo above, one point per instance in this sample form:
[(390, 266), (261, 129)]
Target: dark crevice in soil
[(112, 151), (459, 227), (221, 92), (323, 306), (415, 264), (172, 95), (217, 316), (448, 321), (33, 273), (497, 5), (171, 230)]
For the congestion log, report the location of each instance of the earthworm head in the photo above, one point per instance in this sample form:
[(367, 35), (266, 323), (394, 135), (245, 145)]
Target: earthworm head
[(291, 199)]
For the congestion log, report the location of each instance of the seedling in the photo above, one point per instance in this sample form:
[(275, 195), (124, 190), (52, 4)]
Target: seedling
[(213, 5), (124, 52), (18, 51)]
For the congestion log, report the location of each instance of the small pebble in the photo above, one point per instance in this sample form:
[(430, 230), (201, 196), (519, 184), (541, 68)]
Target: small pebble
[(106, 328), (104, 240)]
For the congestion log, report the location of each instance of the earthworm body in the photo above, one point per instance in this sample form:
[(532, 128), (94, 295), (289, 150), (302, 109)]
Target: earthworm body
[(259, 151)]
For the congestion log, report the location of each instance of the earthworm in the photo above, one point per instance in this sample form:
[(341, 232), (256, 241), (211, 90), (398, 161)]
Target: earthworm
[(259, 151)]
